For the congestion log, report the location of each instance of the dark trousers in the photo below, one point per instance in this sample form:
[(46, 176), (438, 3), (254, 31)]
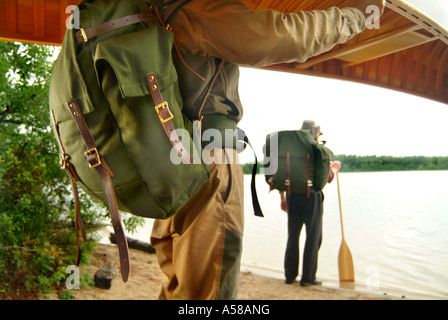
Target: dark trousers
[(308, 211)]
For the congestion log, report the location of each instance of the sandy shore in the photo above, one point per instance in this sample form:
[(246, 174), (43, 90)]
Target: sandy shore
[(146, 278)]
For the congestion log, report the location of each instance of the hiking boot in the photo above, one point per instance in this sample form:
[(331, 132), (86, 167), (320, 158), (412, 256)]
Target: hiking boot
[(310, 283)]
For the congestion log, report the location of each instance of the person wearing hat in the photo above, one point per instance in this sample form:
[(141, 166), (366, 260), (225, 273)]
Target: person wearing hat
[(309, 125), (306, 210)]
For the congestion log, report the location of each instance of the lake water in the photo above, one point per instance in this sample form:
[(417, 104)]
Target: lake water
[(395, 224)]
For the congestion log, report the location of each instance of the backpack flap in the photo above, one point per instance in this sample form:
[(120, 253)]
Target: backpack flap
[(122, 72), (295, 166)]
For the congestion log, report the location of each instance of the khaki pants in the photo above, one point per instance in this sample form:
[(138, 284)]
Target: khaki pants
[(199, 249)]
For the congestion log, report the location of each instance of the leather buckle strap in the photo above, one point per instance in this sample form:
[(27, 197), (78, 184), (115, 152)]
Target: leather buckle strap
[(93, 157), (84, 35), (288, 178), (165, 117), (68, 167), (97, 162), (308, 180)]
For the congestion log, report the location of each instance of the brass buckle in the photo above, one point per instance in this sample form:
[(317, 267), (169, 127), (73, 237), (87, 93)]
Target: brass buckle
[(84, 35), (287, 182), (94, 152), (64, 159), (164, 105), (310, 183)]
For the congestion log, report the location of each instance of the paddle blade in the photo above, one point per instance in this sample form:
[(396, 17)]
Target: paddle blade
[(346, 269)]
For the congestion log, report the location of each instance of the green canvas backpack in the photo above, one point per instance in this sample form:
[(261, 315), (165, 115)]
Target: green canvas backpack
[(116, 109), (297, 163)]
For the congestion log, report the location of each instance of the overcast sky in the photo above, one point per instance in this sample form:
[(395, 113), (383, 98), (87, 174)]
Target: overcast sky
[(355, 118), (436, 9)]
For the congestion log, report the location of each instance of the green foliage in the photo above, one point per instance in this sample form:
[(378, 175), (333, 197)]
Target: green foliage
[(34, 200), (37, 238)]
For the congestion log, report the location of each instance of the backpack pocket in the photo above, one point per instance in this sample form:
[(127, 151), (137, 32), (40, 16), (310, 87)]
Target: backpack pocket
[(322, 158), (122, 65)]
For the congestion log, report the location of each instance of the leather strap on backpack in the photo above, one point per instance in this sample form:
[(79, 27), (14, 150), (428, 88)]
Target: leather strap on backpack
[(197, 123), (97, 162), (68, 167), (84, 35), (165, 117), (242, 137), (288, 173), (309, 183)]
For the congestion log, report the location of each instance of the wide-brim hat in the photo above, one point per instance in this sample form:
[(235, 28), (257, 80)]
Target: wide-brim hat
[(309, 125)]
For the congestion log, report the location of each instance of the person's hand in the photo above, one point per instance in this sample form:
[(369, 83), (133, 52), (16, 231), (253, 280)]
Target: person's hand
[(363, 4), (335, 166)]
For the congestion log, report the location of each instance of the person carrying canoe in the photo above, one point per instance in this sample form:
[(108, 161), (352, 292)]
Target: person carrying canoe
[(199, 249)]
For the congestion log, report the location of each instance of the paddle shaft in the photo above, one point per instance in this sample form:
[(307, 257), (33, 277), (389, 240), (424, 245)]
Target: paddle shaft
[(340, 205)]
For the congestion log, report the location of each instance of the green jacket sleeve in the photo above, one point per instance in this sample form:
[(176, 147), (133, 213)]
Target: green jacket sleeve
[(231, 31)]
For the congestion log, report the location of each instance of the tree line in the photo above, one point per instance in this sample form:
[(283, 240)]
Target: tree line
[(354, 163)]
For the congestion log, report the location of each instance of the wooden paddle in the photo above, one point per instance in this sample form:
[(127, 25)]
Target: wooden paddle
[(345, 260)]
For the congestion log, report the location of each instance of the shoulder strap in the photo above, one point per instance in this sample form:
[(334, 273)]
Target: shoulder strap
[(167, 7), (210, 86), (288, 173), (255, 203), (157, 3), (83, 35), (171, 7)]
